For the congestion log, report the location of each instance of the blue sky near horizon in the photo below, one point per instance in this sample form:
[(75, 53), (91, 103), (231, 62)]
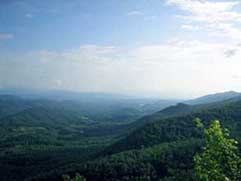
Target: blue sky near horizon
[(171, 48)]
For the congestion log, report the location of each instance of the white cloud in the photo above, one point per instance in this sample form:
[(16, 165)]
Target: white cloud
[(190, 27), (175, 68), (215, 17), (84, 54), (178, 67)]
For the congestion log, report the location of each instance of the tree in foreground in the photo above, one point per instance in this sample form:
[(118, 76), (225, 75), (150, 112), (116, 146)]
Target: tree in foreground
[(220, 160)]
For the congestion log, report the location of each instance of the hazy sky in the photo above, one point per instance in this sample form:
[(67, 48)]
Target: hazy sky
[(173, 48)]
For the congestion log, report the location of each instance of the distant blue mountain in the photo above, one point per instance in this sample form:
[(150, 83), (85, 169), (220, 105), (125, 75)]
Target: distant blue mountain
[(212, 98)]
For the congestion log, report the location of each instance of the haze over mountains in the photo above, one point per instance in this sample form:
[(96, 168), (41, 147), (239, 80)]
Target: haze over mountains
[(45, 136), (114, 90), (214, 98)]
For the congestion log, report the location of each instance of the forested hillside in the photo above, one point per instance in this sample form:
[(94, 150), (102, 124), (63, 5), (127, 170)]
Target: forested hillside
[(181, 127), (39, 133), (43, 139), (175, 161)]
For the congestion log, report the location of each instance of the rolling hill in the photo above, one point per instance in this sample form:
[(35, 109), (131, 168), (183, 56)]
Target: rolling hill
[(173, 128), (212, 98), (161, 149), (39, 134), (42, 139)]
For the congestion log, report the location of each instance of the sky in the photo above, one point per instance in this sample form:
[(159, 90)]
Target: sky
[(166, 48)]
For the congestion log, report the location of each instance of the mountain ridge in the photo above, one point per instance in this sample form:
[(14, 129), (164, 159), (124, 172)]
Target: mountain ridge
[(212, 98)]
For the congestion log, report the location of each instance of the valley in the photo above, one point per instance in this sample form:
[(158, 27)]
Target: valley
[(106, 139)]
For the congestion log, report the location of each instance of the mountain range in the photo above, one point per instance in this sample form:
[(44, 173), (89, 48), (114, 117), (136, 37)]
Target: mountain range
[(107, 137)]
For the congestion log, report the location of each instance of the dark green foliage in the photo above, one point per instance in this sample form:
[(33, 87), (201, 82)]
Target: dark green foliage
[(10, 105), (164, 160), (51, 138), (77, 177), (180, 128), (42, 135)]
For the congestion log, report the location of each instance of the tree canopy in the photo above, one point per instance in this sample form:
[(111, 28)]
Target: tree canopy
[(220, 158)]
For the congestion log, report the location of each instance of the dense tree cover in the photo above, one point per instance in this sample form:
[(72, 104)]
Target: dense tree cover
[(180, 127), (220, 158), (39, 135), (10, 105), (77, 177), (164, 161), (51, 139)]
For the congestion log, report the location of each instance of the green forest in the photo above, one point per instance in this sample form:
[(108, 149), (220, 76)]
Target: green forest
[(44, 139)]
